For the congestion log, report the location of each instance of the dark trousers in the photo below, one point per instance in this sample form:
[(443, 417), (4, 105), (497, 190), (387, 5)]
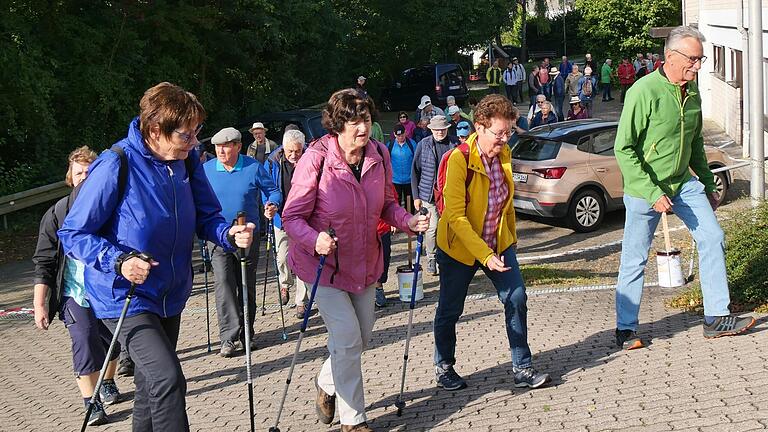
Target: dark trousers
[(454, 283), (386, 247), (404, 195), (512, 93), (519, 89), (624, 88), (229, 291), (158, 403), (90, 337), (493, 89), (607, 91)]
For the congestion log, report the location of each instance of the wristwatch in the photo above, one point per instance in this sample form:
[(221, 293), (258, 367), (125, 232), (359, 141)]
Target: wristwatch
[(123, 258)]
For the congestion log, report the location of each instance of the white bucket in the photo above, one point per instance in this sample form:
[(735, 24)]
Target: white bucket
[(405, 283), (670, 271)]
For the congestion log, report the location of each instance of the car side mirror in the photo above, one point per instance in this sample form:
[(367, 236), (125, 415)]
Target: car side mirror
[(398, 85)]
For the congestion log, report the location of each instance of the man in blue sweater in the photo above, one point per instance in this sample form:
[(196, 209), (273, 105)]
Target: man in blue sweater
[(401, 152), (238, 182)]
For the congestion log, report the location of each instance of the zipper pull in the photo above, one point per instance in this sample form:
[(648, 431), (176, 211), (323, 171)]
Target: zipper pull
[(170, 171)]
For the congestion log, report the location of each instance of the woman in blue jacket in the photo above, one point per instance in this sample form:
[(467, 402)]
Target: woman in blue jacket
[(165, 200)]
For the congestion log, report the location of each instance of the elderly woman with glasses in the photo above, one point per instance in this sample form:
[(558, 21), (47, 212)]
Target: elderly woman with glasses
[(409, 125), (165, 200), (479, 233), (344, 182), (545, 116)]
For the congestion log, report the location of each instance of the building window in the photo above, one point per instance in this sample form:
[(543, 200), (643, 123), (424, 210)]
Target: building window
[(719, 61), (736, 76)]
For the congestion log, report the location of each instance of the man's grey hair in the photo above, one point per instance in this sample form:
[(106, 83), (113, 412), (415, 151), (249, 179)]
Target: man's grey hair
[(293, 136), (679, 33)]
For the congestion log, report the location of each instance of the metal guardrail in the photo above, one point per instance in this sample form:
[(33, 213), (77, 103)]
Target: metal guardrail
[(29, 198)]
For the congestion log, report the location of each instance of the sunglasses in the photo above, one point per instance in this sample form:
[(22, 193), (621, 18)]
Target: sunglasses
[(405, 117)]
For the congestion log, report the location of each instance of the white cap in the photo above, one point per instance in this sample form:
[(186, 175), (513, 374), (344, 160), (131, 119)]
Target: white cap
[(425, 100)]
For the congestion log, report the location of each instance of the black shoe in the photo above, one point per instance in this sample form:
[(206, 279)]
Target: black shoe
[(98, 415), (109, 393), (728, 326), (227, 349), (628, 340), (448, 379), (125, 367), (528, 377)]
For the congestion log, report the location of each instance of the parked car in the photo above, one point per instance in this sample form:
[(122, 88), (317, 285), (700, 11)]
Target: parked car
[(308, 120), (568, 170), (436, 80)]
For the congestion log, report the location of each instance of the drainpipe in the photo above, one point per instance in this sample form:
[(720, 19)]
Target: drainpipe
[(756, 109), (745, 150)]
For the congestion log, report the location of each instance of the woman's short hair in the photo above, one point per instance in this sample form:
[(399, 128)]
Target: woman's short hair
[(548, 104), (402, 113), (494, 106), (346, 105), (82, 155), (293, 136), (170, 107)]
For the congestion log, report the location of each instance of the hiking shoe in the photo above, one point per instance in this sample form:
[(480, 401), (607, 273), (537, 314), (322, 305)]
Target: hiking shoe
[(227, 349), (528, 377), (108, 393), (628, 340), (253, 344), (284, 296), (728, 326), (325, 405), (300, 309), (448, 379), (360, 427), (98, 415), (432, 267), (381, 299), (125, 367)]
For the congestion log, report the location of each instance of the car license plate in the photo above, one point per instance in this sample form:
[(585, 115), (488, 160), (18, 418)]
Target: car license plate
[(523, 204), (520, 178), (456, 87)]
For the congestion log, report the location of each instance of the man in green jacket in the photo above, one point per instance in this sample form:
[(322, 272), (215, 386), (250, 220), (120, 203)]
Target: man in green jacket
[(658, 140), (606, 72)]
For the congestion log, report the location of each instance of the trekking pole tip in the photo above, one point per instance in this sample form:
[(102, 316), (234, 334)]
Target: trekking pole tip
[(274, 429), (400, 405)]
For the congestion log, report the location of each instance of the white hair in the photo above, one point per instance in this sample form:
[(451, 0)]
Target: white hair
[(677, 34), (549, 104), (293, 136)]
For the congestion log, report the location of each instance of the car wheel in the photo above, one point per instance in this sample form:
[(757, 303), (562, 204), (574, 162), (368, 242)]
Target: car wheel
[(721, 186), (386, 104), (586, 211)]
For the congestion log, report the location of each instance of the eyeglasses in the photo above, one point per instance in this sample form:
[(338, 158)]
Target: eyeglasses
[(540, 102), (503, 135), (692, 59), (187, 137)]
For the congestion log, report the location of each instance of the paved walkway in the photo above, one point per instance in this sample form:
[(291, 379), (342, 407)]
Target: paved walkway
[(681, 382)]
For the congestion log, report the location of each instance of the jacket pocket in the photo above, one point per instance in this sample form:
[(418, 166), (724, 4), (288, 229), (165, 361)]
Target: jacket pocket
[(648, 156)]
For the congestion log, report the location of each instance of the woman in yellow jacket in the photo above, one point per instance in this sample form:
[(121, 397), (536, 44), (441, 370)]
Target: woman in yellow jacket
[(477, 230)]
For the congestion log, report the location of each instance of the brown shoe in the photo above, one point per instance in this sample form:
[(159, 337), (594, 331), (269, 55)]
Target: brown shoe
[(284, 296), (325, 405), (300, 309), (361, 427)]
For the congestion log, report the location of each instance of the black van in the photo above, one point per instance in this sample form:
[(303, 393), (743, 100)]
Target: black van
[(436, 80)]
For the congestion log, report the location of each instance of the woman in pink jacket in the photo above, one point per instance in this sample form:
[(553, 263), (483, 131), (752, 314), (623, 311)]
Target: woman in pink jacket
[(344, 182)]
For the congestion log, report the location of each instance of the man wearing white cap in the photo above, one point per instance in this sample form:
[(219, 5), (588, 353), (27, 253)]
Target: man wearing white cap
[(238, 182), (261, 146), (427, 110), (454, 113)]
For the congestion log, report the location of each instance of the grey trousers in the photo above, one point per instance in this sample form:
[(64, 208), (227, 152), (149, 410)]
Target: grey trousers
[(229, 293), (430, 237), (285, 276)]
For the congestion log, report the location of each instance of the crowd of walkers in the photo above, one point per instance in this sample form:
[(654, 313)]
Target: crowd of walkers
[(331, 207)]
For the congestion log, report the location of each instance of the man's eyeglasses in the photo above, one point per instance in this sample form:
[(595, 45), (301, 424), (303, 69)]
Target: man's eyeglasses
[(189, 137), (539, 102), (503, 135), (692, 59)]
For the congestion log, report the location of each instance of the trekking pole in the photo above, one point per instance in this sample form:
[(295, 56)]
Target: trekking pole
[(148, 258), (206, 261), (246, 320), (303, 328), (400, 403), (271, 244), (264, 293)]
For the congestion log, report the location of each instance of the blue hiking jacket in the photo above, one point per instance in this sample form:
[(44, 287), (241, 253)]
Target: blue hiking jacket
[(162, 207)]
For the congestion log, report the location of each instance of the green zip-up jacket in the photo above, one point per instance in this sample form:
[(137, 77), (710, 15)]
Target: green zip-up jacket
[(659, 139)]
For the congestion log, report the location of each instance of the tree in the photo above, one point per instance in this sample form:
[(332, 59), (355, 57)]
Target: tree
[(618, 27)]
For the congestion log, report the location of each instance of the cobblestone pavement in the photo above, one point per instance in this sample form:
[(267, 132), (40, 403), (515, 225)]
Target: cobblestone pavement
[(680, 382)]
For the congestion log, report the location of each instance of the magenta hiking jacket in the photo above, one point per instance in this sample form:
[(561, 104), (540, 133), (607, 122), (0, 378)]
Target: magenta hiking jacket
[(334, 198)]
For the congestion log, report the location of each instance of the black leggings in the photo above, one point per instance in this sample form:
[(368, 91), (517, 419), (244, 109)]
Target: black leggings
[(158, 404)]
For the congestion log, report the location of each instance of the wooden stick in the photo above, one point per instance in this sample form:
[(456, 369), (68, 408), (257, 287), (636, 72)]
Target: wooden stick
[(666, 232)]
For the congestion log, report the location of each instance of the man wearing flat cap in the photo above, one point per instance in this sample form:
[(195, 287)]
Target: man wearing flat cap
[(429, 153), (238, 182), (262, 146)]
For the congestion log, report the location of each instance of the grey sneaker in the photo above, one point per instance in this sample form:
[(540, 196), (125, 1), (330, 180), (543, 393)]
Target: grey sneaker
[(381, 299), (98, 415), (728, 326), (227, 349), (109, 393), (432, 267), (528, 377), (448, 379)]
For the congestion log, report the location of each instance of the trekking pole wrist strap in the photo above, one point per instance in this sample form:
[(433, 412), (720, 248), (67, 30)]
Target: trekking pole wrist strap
[(122, 259)]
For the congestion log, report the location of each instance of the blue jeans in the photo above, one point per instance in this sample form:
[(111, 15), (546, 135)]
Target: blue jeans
[(692, 206), (454, 282)]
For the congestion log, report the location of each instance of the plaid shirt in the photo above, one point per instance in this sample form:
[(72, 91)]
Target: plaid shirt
[(498, 192)]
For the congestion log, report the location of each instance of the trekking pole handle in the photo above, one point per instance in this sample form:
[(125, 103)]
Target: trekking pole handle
[(241, 221)]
